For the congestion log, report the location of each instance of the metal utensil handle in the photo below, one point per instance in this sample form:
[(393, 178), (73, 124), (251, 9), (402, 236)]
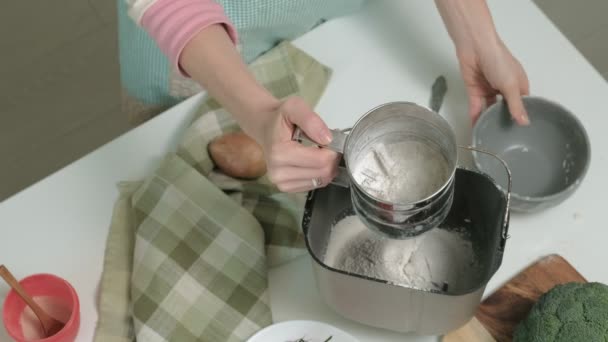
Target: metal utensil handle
[(337, 144), (505, 225), (438, 90)]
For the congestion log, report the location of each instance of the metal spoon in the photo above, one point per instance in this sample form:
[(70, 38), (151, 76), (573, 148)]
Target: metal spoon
[(50, 326)]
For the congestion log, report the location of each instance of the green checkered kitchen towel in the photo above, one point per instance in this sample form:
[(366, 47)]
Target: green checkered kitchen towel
[(188, 249)]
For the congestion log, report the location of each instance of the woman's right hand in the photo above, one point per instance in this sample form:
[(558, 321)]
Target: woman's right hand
[(211, 58), (291, 166)]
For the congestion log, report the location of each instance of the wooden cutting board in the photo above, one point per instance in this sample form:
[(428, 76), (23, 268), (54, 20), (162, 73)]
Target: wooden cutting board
[(501, 312)]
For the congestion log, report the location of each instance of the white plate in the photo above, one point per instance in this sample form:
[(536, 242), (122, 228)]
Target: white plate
[(309, 331)]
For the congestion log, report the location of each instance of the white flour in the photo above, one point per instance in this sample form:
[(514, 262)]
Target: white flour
[(423, 262), (401, 172)]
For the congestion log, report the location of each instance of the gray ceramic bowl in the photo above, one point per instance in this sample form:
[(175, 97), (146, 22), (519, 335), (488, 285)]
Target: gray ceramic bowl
[(548, 159)]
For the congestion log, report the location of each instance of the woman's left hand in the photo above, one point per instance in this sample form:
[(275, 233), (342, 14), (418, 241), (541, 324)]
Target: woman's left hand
[(491, 71)]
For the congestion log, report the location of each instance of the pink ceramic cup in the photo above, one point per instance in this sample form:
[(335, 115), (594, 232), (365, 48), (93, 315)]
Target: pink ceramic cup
[(48, 290)]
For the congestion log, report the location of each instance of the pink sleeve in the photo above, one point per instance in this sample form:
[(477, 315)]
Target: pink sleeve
[(172, 23)]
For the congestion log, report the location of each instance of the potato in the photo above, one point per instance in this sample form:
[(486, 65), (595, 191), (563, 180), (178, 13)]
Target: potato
[(237, 155)]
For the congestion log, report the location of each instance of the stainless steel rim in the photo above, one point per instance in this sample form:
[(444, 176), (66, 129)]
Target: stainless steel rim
[(505, 226), (422, 202)]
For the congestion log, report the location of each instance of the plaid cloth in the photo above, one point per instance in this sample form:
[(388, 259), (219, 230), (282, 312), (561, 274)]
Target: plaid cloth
[(188, 248)]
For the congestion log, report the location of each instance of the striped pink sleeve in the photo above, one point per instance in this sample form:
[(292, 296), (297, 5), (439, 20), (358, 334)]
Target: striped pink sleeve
[(172, 23)]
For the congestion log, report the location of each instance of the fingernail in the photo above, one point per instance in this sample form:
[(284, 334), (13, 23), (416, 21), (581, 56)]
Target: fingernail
[(525, 120), (326, 137)]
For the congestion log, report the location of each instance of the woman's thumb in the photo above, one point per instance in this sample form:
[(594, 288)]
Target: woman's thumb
[(297, 112), (516, 106)]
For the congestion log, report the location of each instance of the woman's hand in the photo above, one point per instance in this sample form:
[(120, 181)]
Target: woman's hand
[(492, 71), (292, 166), (211, 58), (487, 66)]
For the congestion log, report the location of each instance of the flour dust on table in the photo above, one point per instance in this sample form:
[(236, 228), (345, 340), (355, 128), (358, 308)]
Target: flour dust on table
[(435, 260), (401, 171)]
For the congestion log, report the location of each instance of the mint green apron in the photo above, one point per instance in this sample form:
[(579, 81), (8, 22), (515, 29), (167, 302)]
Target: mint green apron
[(147, 75)]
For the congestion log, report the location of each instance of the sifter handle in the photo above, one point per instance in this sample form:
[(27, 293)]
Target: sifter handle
[(337, 145), (338, 139)]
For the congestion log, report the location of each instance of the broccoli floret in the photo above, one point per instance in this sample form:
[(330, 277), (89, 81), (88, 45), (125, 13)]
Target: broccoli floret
[(568, 313)]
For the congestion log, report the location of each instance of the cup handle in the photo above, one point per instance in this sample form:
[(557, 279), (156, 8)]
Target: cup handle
[(337, 145), (505, 224)]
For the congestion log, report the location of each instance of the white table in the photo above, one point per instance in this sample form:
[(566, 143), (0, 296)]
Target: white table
[(59, 225)]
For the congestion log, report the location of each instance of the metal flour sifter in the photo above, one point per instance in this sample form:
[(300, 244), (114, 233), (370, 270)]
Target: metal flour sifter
[(399, 161), (469, 202)]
